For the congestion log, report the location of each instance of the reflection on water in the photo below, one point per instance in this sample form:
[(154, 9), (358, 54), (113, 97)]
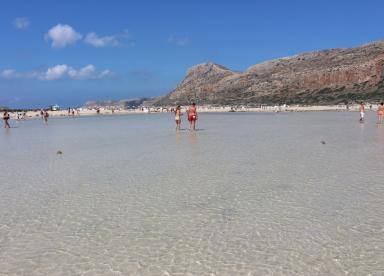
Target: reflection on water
[(178, 135), (192, 135), (248, 194)]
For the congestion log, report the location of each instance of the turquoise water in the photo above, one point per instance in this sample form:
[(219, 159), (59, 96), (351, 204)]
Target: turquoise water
[(246, 194)]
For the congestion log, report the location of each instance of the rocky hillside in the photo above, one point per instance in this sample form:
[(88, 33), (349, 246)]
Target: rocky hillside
[(129, 103), (322, 77)]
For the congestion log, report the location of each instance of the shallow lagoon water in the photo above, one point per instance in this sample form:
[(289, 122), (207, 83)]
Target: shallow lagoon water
[(246, 194)]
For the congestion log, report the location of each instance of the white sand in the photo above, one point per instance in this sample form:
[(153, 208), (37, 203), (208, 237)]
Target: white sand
[(206, 108)]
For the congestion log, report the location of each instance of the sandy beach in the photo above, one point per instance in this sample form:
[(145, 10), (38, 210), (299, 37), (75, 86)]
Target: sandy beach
[(204, 109)]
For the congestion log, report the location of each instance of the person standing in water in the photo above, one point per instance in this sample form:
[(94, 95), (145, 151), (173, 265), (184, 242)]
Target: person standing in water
[(362, 112), (6, 118), (192, 116), (380, 113), (46, 115), (178, 117)]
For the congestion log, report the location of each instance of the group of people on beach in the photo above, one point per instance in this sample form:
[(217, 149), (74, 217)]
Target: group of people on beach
[(44, 115), (191, 116), (380, 112), (6, 117), (71, 112)]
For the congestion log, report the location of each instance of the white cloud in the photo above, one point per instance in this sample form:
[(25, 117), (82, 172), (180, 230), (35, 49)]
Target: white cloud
[(105, 74), (62, 35), (86, 72), (12, 74), (21, 23), (57, 72), (89, 72), (180, 41), (101, 41), (9, 74)]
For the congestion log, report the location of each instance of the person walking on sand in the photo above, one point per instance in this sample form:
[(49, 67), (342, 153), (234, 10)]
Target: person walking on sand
[(380, 113), (192, 116), (6, 118), (178, 117), (362, 112)]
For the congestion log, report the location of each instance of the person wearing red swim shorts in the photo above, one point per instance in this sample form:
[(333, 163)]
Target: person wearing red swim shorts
[(192, 116)]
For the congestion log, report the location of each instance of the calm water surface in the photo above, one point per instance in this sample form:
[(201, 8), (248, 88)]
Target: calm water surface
[(246, 194)]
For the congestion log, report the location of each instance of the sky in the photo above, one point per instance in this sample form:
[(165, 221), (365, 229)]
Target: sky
[(69, 52)]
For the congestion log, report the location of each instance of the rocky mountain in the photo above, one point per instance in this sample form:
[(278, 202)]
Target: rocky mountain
[(321, 77), (128, 103)]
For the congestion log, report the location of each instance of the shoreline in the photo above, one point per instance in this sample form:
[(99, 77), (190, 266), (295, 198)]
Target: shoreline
[(200, 109)]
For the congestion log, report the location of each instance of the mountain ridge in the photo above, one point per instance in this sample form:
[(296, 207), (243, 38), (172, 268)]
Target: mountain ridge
[(320, 77)]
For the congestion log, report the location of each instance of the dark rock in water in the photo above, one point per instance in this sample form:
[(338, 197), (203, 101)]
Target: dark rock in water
[(323, 142), (59, 152)]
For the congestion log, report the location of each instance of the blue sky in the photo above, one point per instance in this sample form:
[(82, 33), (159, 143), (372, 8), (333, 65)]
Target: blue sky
[(68, 52)]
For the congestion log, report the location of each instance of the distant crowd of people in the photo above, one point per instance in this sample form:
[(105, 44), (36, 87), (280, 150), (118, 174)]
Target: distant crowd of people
[(191, 115), (71, 112)]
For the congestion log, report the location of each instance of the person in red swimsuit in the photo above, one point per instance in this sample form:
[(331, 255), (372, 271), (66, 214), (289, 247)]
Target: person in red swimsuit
[(192, 116), (380, 113)]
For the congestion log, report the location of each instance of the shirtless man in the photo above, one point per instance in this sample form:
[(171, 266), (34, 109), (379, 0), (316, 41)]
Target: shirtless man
[(192, 116), (362, 112)]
